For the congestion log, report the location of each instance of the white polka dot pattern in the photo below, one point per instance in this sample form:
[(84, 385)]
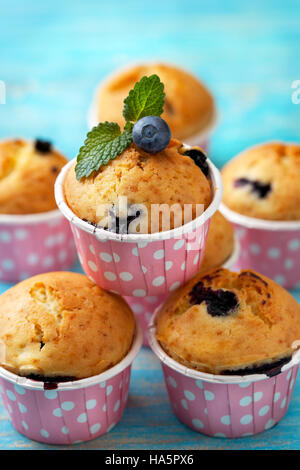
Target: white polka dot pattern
[(43, 246), (106, 257), (184, 404), (61, 417), (274, 253)]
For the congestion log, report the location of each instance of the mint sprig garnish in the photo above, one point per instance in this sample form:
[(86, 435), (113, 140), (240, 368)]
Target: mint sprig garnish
[(146, 99), (106, 141)]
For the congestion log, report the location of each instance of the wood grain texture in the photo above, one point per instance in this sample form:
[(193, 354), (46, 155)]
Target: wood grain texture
[(52, 56)]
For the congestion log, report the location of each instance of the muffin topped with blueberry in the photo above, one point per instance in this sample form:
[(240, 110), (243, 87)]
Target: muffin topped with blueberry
[(28, 170), (60, 326), (121, 179), (219, 244), (230, 323), (262, 182), (188, 108)]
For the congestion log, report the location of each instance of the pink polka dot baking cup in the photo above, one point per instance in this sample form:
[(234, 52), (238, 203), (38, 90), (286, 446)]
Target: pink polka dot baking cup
[(226, 406), (141, 265), (73, 412), (144, 307), (200, 139), (32, 244), (270, 247)]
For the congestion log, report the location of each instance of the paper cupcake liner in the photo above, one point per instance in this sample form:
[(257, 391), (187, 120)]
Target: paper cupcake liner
[(270, 247), (141, 265), (33, 244), (144, 307), (74, 412), (226, 406)]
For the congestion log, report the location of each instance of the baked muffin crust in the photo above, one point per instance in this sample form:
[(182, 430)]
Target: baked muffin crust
[(223, 322), (60, 324)]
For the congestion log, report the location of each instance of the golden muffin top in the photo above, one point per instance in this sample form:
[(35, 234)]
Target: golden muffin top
[(229, 323), (60, 325), (189, 106), (219, 243), (28, 171), (263, 182), (168, 177)]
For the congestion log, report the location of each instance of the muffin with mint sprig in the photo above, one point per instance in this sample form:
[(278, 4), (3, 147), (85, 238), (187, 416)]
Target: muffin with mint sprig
[(142, 163)]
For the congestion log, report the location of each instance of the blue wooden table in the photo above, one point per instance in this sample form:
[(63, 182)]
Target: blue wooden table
[(52, 55)]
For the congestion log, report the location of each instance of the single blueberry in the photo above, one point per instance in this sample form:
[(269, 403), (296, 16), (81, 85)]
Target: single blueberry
[(151, 133)]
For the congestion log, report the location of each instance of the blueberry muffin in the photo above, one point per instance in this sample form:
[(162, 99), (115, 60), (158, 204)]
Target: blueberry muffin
[(219, 243), (60, 326), (28, 171), (230, 323), (189, 106), (262, 182), (174, 177)]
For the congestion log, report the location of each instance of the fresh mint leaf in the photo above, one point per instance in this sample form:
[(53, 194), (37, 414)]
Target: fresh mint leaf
[(103, 143), (146, 99)]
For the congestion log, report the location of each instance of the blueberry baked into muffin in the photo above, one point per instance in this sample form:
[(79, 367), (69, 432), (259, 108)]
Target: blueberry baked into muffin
[(59, 326), (188, 108), (230, 323), (219, 244), (28, 170), (263, 182)]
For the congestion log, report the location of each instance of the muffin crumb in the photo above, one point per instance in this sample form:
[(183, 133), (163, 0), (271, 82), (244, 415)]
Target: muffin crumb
[(262, 182)]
